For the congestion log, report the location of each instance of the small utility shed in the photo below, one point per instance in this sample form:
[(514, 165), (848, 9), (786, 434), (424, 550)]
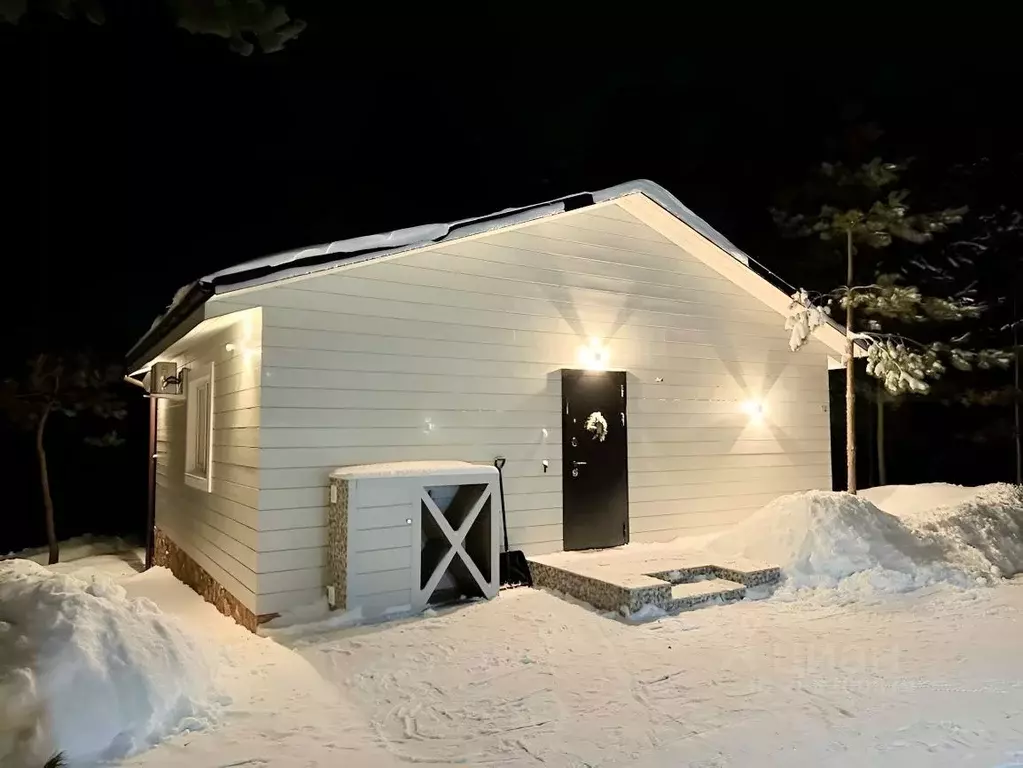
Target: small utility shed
[(629, 362)]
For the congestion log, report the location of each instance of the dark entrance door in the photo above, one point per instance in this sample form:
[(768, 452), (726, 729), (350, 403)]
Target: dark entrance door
[(594, 452)]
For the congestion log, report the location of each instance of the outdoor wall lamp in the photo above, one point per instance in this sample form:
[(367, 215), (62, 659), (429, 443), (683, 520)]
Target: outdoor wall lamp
[(593, 356), (754, 409)]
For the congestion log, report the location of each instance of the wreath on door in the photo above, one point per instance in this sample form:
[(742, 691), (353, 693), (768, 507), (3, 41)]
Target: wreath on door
[(597, 424)]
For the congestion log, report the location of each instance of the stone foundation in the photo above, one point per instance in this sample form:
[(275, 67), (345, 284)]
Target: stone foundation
[(171, 556)]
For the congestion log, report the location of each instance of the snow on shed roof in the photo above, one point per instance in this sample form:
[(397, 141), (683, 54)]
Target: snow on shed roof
[(318, 257), (310, 259)]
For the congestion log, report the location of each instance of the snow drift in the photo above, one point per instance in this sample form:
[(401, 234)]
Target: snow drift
[(88, 671), (982, 528), (824, 539)]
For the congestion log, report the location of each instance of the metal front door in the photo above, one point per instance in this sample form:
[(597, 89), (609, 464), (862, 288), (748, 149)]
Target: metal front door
[(595, 483)]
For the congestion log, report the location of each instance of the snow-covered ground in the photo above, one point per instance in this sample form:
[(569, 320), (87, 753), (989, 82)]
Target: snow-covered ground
[(926, 676)]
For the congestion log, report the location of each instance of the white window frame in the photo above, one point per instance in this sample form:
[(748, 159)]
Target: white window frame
[(199, 414)]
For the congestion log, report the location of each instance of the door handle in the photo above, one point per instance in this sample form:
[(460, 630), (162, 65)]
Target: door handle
[(578, 463)]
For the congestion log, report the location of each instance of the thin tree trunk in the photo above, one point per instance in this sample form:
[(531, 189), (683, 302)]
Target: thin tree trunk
[(850, 370), (1015, 399), (882, 470), (44, 479)]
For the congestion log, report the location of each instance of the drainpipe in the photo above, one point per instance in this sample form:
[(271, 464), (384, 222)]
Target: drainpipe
[(151, 491), (151, 500)]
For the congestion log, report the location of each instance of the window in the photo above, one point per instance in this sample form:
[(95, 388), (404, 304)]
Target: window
[(199, 434)]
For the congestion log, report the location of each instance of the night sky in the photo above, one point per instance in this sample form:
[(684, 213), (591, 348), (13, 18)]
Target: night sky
[(139, 157)]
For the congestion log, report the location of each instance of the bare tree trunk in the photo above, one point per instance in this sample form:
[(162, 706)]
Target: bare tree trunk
[(1015, 399), (850, 370), (44, 479), (882, 470)]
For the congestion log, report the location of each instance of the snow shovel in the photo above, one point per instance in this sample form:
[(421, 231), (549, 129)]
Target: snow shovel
[(512, 564)]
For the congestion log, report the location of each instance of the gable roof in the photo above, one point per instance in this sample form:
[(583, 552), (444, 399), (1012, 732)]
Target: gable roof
[(647, 201)]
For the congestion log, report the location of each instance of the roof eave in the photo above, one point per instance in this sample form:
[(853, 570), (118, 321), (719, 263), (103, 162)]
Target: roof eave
[(150, 344)]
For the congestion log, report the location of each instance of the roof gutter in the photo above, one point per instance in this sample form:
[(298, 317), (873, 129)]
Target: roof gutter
[(196, 296)]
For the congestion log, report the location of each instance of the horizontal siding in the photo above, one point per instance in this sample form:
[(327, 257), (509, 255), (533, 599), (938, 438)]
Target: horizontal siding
[(282, 458), (378, 560), (294, 518), (373, 539), (218, 529), (454, 353), (491, 310), (314, 437), (431, 357), (396, 322), (304, 558), (278, 602), (213, 565), (411, 417), (363, 585), (322, 399)]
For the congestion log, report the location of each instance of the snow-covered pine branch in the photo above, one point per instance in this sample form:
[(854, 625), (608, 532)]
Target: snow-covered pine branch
[(804, 316), (967, 359), (901, 369), (886, 298)]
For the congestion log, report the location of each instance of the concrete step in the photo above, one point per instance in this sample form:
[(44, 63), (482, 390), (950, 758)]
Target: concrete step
[(694, 593)]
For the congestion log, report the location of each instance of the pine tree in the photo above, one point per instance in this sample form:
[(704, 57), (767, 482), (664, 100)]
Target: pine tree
[(867, 213), (56, 385)]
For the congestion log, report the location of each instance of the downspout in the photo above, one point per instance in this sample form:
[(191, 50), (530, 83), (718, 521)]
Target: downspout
[(151, 490), (151, 499)]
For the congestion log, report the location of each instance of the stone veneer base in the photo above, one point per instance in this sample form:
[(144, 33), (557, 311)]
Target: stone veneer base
[(605, 595), (185, 569), (337, 541)]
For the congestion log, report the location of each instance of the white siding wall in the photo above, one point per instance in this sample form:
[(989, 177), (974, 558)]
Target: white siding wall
[(455, 353), (218, 529)]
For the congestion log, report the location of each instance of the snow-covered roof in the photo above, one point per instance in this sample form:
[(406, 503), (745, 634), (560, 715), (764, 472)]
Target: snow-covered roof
[(317, 258), (328, 255)]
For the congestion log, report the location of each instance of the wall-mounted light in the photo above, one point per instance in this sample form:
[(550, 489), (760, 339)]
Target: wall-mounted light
[(229, 347), (754, 409), (593, 356)]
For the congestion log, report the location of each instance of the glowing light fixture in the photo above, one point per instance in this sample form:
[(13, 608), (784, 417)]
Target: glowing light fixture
[(229, 347), (754, 409), (593, 356)]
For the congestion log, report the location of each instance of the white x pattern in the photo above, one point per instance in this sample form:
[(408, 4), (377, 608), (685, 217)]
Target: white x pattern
[(457, 540)]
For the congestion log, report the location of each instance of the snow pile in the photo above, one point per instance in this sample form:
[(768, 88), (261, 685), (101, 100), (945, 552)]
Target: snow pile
[(981, 528), (930, 534), (824, 539), (647, 612), (909, 501), (88, 671)]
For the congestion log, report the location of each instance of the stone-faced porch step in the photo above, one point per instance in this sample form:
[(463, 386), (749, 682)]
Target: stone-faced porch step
[(752, 577), (627, 587), (693, 593)]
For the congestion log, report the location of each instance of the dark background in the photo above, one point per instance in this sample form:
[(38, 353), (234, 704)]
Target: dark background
[(138, 157)]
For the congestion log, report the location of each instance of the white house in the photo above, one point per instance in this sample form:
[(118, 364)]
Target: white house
[(467, 341)]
